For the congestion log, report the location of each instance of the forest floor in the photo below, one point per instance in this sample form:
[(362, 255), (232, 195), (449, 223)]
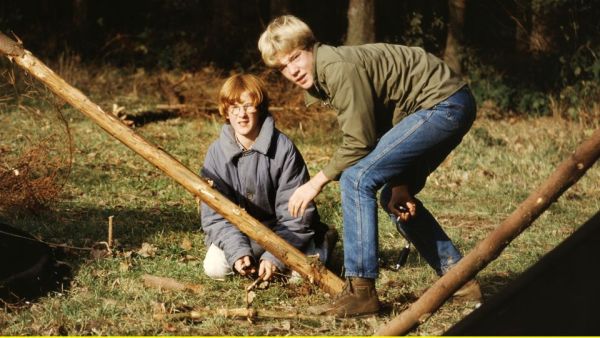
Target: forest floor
[(157, 230)]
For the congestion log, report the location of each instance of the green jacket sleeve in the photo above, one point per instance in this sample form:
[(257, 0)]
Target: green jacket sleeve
[(352, 96)]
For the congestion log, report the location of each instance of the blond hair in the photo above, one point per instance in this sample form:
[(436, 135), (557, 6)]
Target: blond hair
[(283, 35), (233, 88)]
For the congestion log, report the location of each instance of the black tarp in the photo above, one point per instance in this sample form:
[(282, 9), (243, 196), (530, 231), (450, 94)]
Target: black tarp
[(28, 267), (559, 295)]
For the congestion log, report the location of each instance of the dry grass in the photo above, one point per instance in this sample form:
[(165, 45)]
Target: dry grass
[(35, 161), (28, 184), (484, 179)]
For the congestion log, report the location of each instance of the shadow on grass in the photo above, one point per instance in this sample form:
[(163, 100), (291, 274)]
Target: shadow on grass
[(145, 117), (72, 232), (490, 283), (83, 226), (391, 259)]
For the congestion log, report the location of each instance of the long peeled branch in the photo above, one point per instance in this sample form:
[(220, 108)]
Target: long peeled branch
[(241, 313), (313, 271), (567, 173)]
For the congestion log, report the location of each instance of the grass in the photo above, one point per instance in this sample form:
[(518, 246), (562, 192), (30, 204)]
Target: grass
[(498, 164)]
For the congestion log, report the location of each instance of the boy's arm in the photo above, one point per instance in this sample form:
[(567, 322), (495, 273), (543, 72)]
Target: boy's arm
[(352, 96)]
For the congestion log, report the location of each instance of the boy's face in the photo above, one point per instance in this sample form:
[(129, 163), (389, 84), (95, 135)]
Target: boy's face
[(244, 118), (297, 66)]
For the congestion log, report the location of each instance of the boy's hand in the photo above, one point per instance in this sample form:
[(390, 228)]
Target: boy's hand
[(306, 193), (402, 204), (267, 269), (244, 266), (301, 198)]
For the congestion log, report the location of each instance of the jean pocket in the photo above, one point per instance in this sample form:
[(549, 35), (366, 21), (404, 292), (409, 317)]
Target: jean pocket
[(457, 113), (445, 119)]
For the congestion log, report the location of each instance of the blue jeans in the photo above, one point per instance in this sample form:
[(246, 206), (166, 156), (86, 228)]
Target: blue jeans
[(407, 153)]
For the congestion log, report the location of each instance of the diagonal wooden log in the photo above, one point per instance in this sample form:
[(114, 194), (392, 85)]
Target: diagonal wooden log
[(567, 173), (314, 271)]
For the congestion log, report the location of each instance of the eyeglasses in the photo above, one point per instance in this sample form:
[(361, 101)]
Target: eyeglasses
[(237, 110)]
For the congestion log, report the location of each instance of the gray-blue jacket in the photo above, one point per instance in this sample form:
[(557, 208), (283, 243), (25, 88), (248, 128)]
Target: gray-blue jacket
[(260, 180)]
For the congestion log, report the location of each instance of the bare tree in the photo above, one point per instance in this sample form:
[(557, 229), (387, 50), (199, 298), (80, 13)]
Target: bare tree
[(543, 35), (522, 19), (536, 29), (361, 22), (454, 39)]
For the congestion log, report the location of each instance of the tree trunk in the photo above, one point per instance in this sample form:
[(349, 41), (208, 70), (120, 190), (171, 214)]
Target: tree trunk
[(292, 257), (361, 22), (541, 38), (454, 39), (522, 19), (544, 31), (567, 173)]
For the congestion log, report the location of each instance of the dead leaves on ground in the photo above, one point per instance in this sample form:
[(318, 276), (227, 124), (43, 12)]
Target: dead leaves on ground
[(102, 250), (147, 250)]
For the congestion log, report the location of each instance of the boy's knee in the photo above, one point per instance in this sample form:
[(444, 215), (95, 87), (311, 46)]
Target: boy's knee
[(349, 178), (216, 271), (215, 263)]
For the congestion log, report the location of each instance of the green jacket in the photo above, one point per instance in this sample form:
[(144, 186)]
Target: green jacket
[(373, 87)]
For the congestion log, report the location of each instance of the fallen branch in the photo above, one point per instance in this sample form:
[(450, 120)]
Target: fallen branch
[(567, 173), (238, 313), (165, 283)]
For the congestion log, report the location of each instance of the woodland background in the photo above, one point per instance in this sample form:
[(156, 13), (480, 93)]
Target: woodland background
[(521, 56)]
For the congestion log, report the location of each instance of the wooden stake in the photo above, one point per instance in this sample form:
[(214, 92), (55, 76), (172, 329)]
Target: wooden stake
[(292, 257), (567, 173), (110, 231)]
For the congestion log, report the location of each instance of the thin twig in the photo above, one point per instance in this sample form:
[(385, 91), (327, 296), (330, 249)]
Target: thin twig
[(47, 243)]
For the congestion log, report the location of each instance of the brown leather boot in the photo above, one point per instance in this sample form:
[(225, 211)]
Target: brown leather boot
[(470, 291), (358, 298)]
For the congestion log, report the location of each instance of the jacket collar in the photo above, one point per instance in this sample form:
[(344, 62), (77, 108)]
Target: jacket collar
[(316, 92), (263, 142)]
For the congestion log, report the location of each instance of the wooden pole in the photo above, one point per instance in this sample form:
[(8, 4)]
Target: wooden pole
[(239, 313), (110, 231), (567, 173), (292, 257)]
